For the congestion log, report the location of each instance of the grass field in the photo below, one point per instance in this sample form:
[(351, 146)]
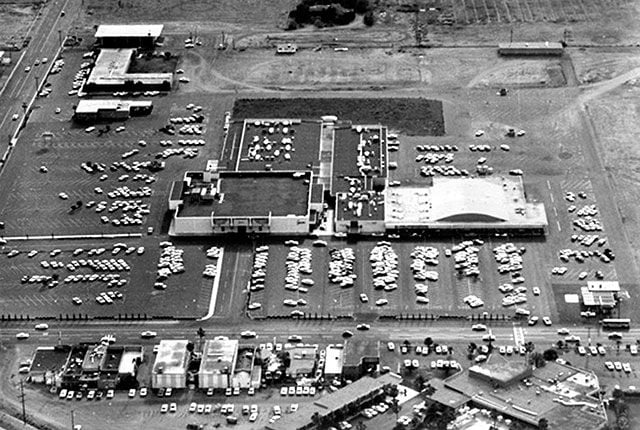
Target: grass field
[(415, 116)]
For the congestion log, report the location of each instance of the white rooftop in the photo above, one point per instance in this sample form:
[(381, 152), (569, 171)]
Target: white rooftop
[(143, 30), (495, 202), (94, 105), (171, 357)]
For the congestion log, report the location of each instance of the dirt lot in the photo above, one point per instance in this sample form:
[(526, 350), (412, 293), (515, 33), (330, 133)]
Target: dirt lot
[(412, 116), (15, 19)]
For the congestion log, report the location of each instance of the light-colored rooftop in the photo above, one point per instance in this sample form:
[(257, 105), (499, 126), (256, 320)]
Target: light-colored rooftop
[(334, 360), (496, 202), (111, 68), (171, 358), (128, 361), (95, 105), (139, 30), (218, 355)]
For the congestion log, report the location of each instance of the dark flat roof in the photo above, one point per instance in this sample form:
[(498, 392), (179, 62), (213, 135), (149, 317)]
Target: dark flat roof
[(254, 194), (53, 358)]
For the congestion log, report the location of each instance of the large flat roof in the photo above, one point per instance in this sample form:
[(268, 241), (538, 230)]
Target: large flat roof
[(495, 202), (171, 357), (250, 194), (136, 30), (218, 356)]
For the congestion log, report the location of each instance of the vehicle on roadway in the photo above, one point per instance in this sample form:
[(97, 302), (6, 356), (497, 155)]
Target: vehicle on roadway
[(479, 327), (148, 334), (42, 326), (248, 334), (22, 335)]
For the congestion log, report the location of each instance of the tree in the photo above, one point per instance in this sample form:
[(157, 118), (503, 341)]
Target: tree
[(419, 382), (362, 6), (560, 344), (543, 424), (428, 341), (537, 359), (201, 334), (550, 354), (361, 426), (369, 19), (316, 419)]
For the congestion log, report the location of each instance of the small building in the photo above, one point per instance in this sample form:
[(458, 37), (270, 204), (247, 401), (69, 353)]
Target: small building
[(91, 110), (170, 368), (128, 36), (530, 48), (245, 360), (334, 361), (218, 363), (361, 356), (598, 295), (286, 49), (303, 361), (48, 362)]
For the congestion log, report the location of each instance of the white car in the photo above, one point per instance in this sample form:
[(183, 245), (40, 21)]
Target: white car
[(15, 117), (22, 336), (536, 291), (248, 334), (364, 298), (148, 334), (546, 320), (382, 302), (254, 306), (479, 327), (42, 326), (192, 407), (184, 79), (363, 326)]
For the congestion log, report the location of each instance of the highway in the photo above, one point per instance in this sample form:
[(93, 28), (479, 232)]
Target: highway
[(46, 34)]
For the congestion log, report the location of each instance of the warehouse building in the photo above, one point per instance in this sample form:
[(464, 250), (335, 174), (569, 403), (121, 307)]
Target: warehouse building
[(91, 110), (361, 357), (302, 361), (530, 48), (334, 361), (600, 295), (170, 368), (128, 36), (218, 363), (111, 73)]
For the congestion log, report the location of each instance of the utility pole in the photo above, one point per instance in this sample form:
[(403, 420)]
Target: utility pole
[(24, 411), (35, 77), (73, 424), (59, 37)]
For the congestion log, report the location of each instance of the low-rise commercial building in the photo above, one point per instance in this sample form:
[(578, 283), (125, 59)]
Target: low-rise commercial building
[(218, 363), (170, 368), (111, 73), (128, 36), (91, 110)]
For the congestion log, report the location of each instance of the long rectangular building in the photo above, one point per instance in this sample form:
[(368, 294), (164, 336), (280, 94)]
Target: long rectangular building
[(128, 36), (218, 363)]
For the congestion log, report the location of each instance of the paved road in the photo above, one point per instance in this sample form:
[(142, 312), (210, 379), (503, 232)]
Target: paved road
[(310, 331), (45, 40)]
